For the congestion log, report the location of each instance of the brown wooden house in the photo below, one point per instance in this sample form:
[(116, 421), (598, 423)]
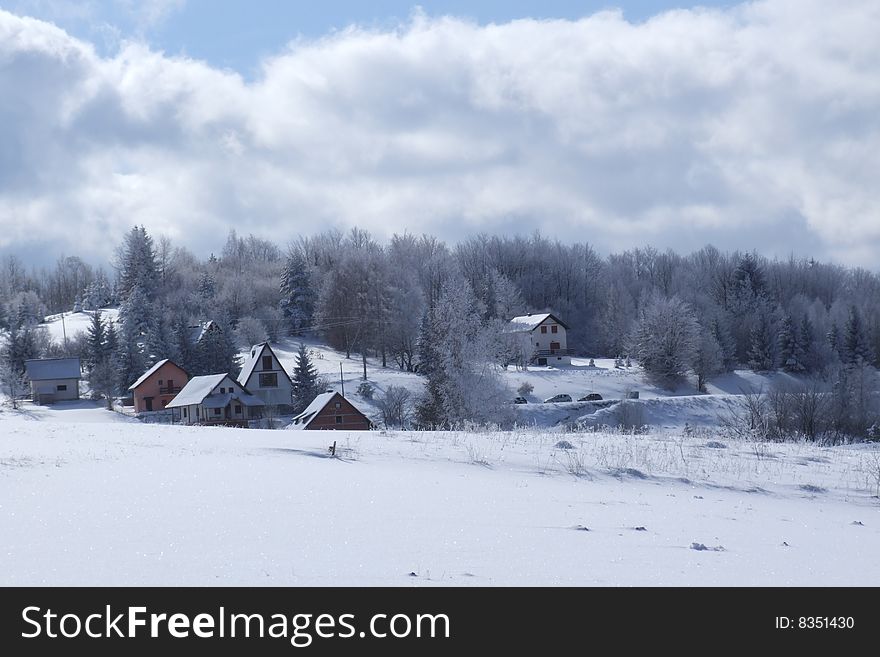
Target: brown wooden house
[(158, 386), (332, 411)]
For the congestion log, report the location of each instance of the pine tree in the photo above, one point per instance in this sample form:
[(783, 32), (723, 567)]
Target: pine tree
[(216, 352), (725, 341), (297, 294), (12, 374), (807, 341), (791, 355), (96, 338), (834, 341), (855, 348), (761, 345), (137, 264), (306, 384)]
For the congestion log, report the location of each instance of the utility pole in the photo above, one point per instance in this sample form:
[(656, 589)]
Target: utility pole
[(341, 380), (64, 331)]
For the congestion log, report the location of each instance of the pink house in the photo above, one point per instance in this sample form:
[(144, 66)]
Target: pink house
[(158, 386)]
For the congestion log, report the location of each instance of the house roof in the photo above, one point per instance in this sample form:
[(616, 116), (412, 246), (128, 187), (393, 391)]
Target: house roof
[(250, 364), (196, 333), (532, 321), (53, 368), (146, 375), (199, 389), (196, 389), (221, 401), (318, 404)]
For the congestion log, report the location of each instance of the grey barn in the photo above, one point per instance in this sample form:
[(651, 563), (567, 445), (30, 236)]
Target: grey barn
[(53, 379)]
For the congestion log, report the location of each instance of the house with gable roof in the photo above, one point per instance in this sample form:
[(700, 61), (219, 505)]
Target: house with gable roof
[(541, 339), (263, 375), (216, 399)]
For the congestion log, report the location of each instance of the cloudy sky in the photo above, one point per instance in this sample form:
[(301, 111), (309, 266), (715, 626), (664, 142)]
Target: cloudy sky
[(751, 125)]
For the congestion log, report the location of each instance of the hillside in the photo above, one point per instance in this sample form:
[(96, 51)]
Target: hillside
[(658, 407)]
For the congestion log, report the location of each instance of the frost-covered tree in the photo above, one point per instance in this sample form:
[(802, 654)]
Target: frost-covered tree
[(136, 262), (96, 340), (216, 352), (791, 350), (463, 380), (249, 332), (297, 293), (708, 359), (761, 356), (306, 382), (855, 347), (12, 372), (665, 339), (721, 332)]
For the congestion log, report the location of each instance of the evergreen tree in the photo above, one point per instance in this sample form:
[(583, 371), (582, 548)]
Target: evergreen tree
[(761, 345), (834, 340), (726, 343), (791, 355), (807, 345), (306, 384), (216, 352), (137, 264), (297, 294), (12, 371), (855, 348), (96, 339)]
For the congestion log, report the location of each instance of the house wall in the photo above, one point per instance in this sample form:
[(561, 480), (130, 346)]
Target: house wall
[(274, 396), (151, 387), (535, 340), (352, 418), (47, 391)]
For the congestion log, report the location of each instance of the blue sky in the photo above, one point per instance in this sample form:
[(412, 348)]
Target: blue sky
[(748, 126), (238, 34)]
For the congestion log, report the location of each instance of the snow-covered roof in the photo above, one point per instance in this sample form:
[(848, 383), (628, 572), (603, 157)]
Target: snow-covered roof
[(195, 391), (318, 403), (221, 401), (531, 322), (146, 375), (196, 333), (251, 361), (52, 368)]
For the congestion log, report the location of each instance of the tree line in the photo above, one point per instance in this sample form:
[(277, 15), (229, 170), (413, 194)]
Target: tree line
[(419, 304)]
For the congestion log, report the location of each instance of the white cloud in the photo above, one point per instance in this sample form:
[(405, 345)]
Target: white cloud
[(751, 127)]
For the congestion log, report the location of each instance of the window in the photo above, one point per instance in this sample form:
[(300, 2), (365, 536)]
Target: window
[(338, 419), (237, 409), (269, 380), (216, 411), (61, 388), (160, 381), (184, 412), (267, 362), (543, 329), (197, 412), (554, 329), (338, 404)]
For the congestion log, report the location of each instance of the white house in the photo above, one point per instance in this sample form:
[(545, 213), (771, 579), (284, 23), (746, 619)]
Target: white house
[(541, 339), (53, 379), (216, 399), (264, 376)]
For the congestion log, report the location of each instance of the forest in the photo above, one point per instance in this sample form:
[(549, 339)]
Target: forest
[(419, 304)]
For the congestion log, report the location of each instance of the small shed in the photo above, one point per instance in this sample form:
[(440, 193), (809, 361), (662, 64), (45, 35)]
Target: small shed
[(332, 411), (53, 379)]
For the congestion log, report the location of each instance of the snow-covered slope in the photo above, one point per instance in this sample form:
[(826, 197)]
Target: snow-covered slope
[(134, 504), (72, 323)]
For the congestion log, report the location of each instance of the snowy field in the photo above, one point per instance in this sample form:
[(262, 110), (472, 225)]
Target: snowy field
[(89, 497)]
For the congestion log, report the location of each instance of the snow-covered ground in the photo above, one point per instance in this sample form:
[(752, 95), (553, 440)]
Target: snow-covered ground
[(72, 323), (101, 500)]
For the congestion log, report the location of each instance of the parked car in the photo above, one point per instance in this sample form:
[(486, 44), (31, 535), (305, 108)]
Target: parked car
[(555, 399), (593, 396), (520, 400)]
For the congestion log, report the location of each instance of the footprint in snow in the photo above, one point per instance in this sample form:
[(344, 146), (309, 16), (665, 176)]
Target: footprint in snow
[(580, 528), (640, 529), (857, 522)]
